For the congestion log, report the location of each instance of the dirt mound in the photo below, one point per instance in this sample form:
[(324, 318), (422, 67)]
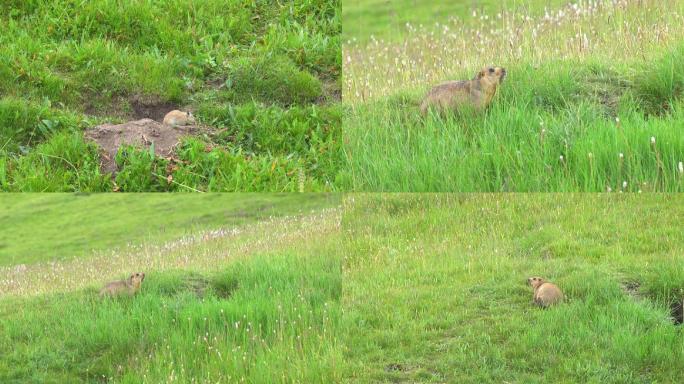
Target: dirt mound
[(140, 133)]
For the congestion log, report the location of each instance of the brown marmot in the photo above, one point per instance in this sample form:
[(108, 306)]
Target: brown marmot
[(545, 293), (124, 287), (474, 94), (177, 118)]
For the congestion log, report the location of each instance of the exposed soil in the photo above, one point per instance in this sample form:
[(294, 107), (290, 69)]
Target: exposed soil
[(395, 367), (331, 93), (197, 285), (140, 133), (631, 287), (216, 83), (151, 108), (133, 107), (201, 287), (677, 311)]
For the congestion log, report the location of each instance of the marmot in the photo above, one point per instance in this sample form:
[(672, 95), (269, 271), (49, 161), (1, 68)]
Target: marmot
[(545, 293), (177, 118), (124, 287), (457, 95)]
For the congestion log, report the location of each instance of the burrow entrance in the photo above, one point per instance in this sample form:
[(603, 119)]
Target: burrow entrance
[(676, 305)]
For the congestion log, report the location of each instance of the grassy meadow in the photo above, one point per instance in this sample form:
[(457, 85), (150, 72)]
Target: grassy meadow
[(255, 301), (75, 225), (592, 100), (262, 78), (434, 288), (387, 20)]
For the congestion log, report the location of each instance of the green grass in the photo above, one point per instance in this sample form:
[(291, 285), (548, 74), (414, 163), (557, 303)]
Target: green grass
[(405, 288), (575, 113), (259, 305), (272, 318), (388, 20), (46, 227), (506, 150), (67, 66), (435, 290)]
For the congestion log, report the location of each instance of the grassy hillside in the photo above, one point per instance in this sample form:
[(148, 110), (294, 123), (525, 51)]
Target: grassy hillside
[(393, 20), (263, 78), (38, 227), (592, 102), (259, 305), (435, 288)]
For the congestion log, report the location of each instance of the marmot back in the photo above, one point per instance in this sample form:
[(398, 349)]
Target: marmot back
[(475, 94), (124, 287), (177, 118), (545, 293)]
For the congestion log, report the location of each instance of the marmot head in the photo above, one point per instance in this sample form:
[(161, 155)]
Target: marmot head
[(493, 75), (535, 281), (137, 278), (191, 117)]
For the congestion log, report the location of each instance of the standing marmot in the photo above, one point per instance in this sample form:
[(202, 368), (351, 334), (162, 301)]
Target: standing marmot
[(545, 293), (124, 287), (466, 94), (177, 118)]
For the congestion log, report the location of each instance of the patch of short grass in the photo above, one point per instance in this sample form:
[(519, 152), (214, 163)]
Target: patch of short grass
[(57, 227), (272, 80), (393, 20), (435, 290)]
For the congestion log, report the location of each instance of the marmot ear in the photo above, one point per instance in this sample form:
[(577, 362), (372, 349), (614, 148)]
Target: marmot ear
[(480, 75)]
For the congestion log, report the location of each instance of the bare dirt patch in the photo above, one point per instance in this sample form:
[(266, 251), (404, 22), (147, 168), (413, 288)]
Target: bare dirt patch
[(151, 108), (332, 93), (676, 306), (631, 287), (129, 107), (395, 367), (677, 311), (143, 134)]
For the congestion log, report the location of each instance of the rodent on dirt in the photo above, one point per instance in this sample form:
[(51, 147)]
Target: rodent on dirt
[(177, 118)]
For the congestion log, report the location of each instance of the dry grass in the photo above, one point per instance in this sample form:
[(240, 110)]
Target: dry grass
[(608, 30), (218, 247)]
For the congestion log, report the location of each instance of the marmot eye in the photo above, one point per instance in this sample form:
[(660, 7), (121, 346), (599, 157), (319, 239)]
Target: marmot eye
[(491, 70)]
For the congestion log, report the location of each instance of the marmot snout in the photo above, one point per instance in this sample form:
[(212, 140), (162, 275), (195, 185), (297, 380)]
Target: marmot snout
[(545, 293), (177, 118), (124, 287), (476, 94)]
